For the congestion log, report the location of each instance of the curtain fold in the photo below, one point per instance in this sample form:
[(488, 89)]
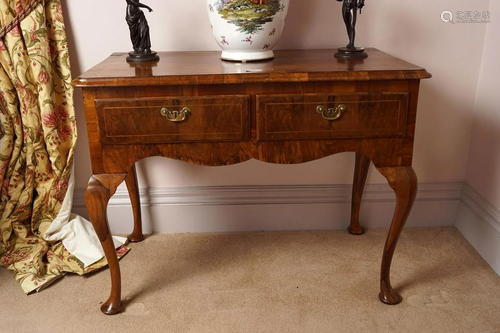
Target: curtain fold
[(37, 139)]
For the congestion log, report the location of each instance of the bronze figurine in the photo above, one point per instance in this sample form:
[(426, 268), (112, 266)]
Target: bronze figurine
[(350, 15), (139, 32)]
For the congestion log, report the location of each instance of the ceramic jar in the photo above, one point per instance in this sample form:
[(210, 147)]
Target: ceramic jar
[(247, 30)]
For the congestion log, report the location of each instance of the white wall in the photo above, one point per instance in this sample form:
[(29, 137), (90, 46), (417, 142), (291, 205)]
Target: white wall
[(408, 29), (478, 217), (483, 171)]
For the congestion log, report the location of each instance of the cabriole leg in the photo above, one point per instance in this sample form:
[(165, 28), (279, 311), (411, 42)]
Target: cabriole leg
[(360, 173), (133, 191), (403, 181), (99, 190)]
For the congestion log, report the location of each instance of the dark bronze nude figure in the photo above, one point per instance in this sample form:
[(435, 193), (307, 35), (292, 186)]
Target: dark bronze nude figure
[(350, 15), (139, 32)]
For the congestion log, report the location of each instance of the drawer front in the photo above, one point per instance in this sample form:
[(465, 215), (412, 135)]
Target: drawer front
[(162, 120), (357, 115)]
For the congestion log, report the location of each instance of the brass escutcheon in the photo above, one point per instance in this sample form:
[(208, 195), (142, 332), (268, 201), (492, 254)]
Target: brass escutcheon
[(331, 113), (175, 116)]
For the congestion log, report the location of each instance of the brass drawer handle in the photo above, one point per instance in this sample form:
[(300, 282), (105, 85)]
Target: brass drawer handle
[(175, 116), (331, 113)]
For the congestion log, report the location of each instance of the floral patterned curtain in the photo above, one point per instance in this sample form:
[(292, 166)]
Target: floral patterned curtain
[(37, 139)]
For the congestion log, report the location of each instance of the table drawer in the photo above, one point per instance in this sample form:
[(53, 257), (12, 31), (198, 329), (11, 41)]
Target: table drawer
[(176, 119), (357, 115)]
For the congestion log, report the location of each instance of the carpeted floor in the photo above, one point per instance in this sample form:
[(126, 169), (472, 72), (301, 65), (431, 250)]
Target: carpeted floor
[(272, 282)]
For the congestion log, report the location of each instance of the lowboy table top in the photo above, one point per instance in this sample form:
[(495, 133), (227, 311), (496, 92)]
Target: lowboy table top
[(288, 66)]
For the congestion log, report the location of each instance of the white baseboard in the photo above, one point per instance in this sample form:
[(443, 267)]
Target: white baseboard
[(308, 207), (250, 208), (479, 223)]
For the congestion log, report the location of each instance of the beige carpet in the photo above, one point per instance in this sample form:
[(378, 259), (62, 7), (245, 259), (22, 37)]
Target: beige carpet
[(272, 282)]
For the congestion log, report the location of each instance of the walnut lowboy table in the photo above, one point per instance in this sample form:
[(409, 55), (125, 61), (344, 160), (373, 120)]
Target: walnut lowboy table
[(299, 107)]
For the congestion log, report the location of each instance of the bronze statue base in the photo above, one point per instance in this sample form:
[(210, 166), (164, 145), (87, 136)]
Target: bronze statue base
[(347, 53), (142, 57)]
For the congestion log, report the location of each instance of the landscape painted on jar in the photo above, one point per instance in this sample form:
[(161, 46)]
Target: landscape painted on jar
[(248, 15)]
